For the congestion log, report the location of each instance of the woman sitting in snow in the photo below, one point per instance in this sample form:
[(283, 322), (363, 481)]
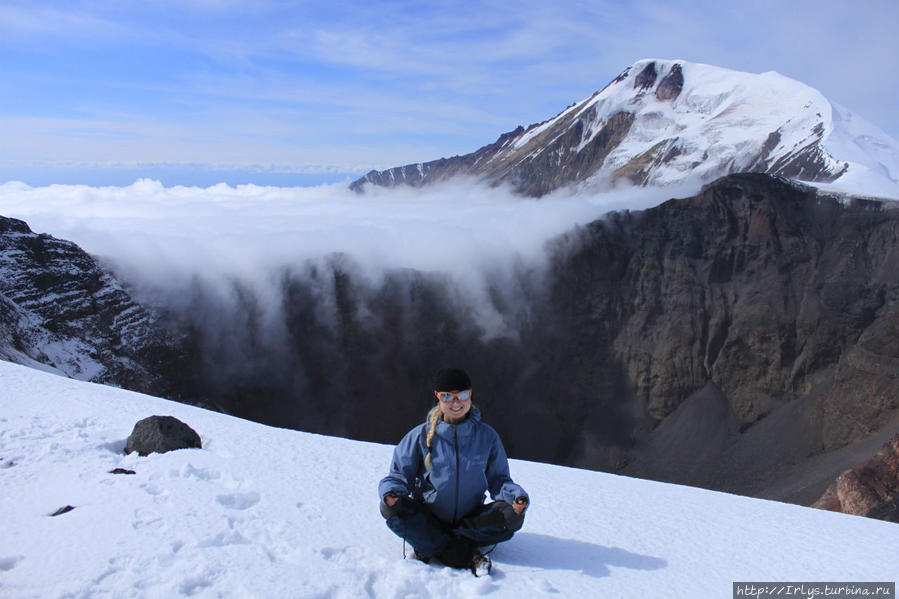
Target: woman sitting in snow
[(434, 494)]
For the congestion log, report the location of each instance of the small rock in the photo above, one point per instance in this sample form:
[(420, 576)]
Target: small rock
[(62, 510), (122, 471), (161, 434)]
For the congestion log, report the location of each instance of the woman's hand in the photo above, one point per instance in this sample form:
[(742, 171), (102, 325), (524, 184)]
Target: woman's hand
[(520, 505)]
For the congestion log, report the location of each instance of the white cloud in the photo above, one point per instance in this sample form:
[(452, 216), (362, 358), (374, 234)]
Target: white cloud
[(162, 236)]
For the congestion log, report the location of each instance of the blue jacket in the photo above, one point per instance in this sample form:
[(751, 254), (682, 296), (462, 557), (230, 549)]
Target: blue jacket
[(467, 459)]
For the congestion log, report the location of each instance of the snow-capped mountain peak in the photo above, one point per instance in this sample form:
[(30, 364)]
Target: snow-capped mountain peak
[(665, 122)]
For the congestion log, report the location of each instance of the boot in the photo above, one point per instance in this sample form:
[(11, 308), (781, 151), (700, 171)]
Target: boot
[(480, 564)]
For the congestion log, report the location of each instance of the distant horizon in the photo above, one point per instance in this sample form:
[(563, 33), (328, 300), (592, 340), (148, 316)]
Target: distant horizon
[(172, 177)]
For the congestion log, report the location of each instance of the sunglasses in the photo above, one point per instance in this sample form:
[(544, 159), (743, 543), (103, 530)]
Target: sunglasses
[(449, 396)]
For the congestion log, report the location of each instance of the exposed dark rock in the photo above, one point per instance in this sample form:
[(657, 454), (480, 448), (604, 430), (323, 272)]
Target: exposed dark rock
[(754, 285), (646, 78), (640, 167), (14, 225), (542, 174), (160, 434), (122, 471), (687, 445), (871, 489), (60, 308), (62, 510), (538, 167), (809, 162), (671, 84), (888, 510)]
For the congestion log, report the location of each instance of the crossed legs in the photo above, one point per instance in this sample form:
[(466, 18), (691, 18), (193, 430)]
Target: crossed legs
[(491, 523)]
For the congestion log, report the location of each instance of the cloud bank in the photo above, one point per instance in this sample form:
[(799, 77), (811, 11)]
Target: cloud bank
[(163, 235)]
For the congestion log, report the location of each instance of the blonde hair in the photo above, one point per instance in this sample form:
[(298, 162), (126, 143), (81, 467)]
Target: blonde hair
[(434, 416)]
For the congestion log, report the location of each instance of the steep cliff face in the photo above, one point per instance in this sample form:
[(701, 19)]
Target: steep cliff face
[(755, 322), (663, 122), (59, 310), (755, 284)]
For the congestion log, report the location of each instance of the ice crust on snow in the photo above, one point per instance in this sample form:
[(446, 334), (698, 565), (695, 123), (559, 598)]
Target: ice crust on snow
[(267, 512)]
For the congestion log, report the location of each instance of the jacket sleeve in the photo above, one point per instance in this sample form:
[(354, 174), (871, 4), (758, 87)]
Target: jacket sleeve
[(404, 466), (499, 481)]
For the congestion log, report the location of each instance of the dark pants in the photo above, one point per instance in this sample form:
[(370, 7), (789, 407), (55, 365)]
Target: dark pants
[(430, 537)]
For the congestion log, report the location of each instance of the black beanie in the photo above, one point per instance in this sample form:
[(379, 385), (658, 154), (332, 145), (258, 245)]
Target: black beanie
[(451, 379)]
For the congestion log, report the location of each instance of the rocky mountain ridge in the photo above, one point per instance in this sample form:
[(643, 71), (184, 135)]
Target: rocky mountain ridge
[(61, 311), (663, 122), (756, 312)]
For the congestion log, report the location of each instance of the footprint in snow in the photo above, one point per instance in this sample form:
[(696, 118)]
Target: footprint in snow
[(310, 512), (223, 539), (238, 501), (8, 563), (192, 585), (544, 586)]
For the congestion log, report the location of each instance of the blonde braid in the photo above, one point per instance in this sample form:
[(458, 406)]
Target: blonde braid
[(434, 416)]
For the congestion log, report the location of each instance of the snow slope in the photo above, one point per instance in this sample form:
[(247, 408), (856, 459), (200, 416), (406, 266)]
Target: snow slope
[(265, 512)]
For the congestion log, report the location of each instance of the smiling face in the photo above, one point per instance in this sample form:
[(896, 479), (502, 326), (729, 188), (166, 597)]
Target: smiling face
[(456, 410)]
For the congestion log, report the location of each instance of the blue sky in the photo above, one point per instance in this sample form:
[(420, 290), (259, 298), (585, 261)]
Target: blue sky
[(195, 92)]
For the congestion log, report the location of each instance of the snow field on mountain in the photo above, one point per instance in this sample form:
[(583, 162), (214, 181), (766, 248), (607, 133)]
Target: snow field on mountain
[(720, 122), (721, 116), (267, 512)]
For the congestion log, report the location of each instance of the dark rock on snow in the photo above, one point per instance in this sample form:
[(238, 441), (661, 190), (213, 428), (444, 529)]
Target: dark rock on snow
[(62, 510), (646, 78), (122, 471), (671, 85), (161, 434)]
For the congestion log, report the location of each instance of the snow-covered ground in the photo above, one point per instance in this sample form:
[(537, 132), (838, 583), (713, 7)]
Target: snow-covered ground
[(266, 512)]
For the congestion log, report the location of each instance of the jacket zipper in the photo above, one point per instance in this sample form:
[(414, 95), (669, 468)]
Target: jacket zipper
[(456, 506)]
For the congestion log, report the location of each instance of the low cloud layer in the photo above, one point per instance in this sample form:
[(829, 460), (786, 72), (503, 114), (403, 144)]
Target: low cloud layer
[(163, 235)]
